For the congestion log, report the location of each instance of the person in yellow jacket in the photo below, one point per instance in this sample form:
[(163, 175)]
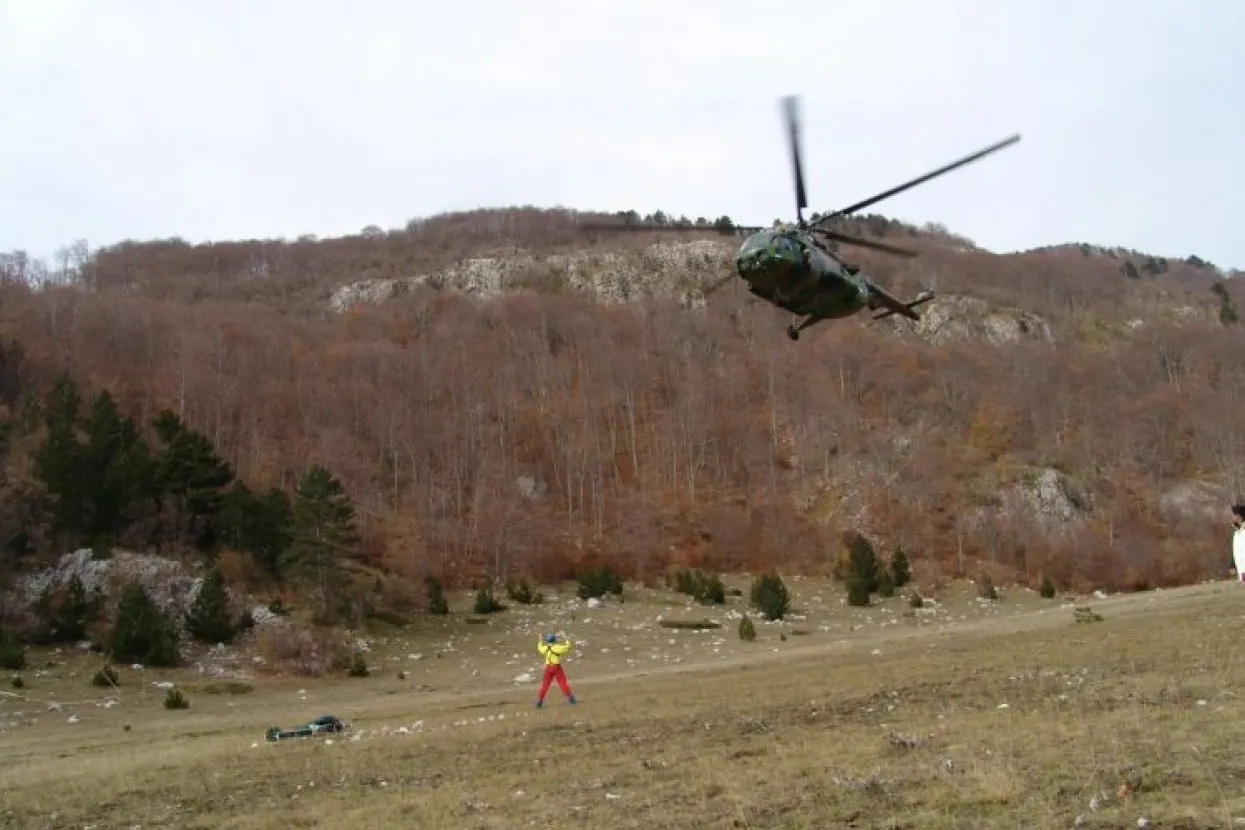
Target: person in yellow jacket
[(552, 647)]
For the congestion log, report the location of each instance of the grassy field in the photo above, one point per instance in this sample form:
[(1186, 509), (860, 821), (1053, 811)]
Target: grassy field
[(971, 714)]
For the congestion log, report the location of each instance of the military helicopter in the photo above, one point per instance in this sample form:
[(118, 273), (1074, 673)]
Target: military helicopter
[(796, 266)]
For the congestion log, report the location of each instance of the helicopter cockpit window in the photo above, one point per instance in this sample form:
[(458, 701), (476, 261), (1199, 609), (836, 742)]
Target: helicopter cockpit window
[(780, 246), (758, 242), (786, 248)]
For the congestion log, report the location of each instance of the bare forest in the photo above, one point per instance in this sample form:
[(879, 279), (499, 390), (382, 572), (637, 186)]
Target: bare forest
[(534, 433)]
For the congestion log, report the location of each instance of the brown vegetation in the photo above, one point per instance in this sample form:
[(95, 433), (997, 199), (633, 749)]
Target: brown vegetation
[(533, 432)]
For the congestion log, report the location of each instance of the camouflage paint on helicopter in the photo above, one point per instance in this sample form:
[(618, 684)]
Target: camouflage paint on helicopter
[(787, 267)]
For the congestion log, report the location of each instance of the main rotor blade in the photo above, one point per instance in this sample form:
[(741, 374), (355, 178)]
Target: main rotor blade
[(867, 243), (791, 111), (873, 200)]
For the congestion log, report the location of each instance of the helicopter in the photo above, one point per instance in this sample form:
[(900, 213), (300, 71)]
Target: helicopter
[(796, 267)]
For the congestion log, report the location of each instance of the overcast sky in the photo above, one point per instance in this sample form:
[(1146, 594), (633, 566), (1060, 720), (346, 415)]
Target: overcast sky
[(232, 119)]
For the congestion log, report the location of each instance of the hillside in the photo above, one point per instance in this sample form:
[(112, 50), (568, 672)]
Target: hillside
[(1071, 411)]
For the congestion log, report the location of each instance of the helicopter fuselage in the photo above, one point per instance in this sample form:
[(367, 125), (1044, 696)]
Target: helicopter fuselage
[(789, 268)]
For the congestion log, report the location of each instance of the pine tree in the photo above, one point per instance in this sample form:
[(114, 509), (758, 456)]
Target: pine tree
[(238, 506), (770, 596), (257, 524), (135, 475), (321, 534), (208, 618), (864, 563), (1227, 309), (103, 445), (886, 582), (857, 591), (116, 465), (862, 574), (142, 632), (437, 603), (58, 461), (270, 534), (70, 617), (901, 569), (193, 474)]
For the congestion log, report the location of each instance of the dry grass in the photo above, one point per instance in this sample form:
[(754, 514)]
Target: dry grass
[(895, 726)]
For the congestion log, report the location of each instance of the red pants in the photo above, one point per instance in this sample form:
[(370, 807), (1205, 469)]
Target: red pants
[(553, 671)]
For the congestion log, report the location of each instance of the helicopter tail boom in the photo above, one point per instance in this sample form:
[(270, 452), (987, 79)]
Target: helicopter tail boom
[(895, 306)]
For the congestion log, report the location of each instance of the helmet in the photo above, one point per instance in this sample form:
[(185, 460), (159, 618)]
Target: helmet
[(549, 638)]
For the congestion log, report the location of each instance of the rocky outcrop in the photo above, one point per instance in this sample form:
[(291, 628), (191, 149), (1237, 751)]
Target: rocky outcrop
[(1050, 496), (1196, 501), (670, 269), (171, 586), (1039, 500), (681, 270), (956, 317)]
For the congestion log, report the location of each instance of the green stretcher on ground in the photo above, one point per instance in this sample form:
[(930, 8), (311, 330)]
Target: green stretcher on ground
[(324, 723)]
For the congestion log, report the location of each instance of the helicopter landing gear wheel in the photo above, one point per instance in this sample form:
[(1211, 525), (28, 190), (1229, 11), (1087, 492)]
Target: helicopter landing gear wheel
[(793, 332)]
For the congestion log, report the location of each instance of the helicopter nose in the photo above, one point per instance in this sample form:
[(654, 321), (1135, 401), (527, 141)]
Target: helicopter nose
[(755, 271), (766, 263), (749, 266)]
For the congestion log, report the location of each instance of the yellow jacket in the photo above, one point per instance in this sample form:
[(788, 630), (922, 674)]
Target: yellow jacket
[(552, 652)]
